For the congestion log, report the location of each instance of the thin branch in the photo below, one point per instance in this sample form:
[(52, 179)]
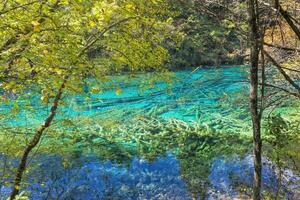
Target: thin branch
[(288, 18), (281, 47), (272, 103), (100, 35), (286, 76), (282, 89), (17, 7), (293, 70)]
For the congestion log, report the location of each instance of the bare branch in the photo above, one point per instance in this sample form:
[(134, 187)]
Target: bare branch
[(288, 18), (279, 67), (281, 47), (282, 89)]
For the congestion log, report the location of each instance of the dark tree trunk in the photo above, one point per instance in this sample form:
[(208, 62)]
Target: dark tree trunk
[(35, 140), (254, 39)]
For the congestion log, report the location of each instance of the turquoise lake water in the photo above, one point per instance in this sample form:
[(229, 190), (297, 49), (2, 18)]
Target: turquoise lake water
[(207, 95), (214, 98)]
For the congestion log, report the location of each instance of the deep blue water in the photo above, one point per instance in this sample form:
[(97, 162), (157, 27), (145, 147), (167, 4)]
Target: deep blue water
[(90, 178), (212, 97)]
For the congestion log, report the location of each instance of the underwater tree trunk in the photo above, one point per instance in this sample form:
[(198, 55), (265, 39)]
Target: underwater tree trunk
[(254, 58), (34, 141)]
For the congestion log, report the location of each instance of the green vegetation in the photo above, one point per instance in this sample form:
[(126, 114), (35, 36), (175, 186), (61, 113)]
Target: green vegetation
[(55, 51)]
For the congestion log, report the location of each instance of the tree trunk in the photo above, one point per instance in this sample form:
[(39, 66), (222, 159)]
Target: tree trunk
[(254, 37), (35, 140)]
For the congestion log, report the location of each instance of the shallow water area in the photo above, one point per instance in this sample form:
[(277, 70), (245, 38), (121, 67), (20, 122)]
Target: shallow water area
[(207, 95)]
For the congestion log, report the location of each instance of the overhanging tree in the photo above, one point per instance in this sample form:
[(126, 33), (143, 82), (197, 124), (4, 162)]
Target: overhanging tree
[(45, 47)]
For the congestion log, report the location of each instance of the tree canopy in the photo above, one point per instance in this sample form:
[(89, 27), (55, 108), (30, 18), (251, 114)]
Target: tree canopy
[(45, 41)]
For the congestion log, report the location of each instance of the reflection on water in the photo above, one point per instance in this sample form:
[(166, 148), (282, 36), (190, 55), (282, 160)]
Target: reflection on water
[(179, 141), (87, 177)]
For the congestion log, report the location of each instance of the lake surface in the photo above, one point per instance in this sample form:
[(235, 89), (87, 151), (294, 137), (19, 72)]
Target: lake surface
[(145, 139), (208, 95)]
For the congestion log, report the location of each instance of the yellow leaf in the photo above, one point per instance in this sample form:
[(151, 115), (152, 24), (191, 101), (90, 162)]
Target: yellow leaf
[(118, 91), (36, 26), (94, 90), (45, 51), (129, 6), (44, 99), (92, 24), (58, 71)]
